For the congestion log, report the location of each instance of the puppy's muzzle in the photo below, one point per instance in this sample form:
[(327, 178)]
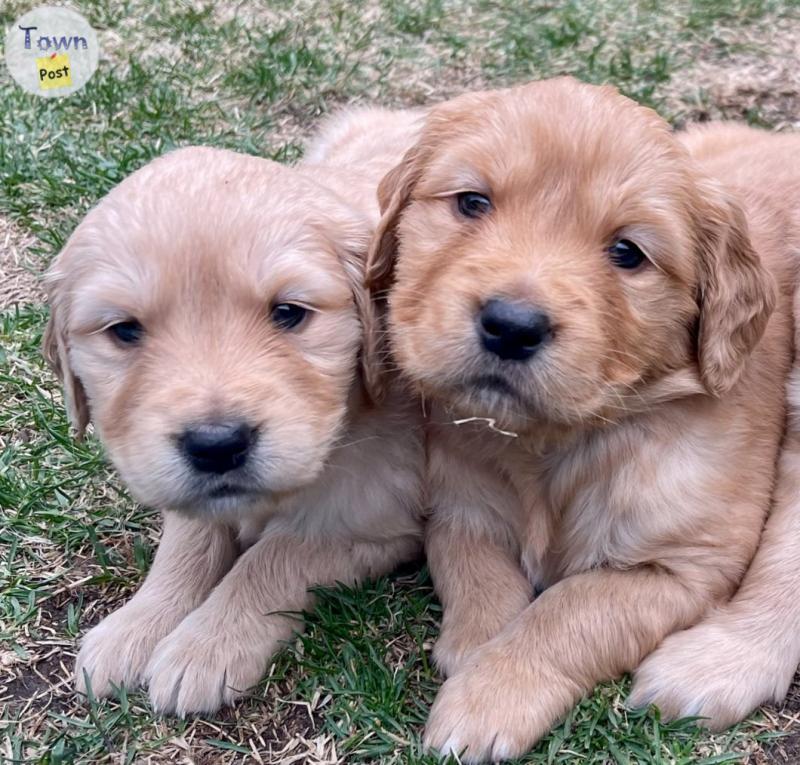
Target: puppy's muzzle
[(512, 330), (218, 447)]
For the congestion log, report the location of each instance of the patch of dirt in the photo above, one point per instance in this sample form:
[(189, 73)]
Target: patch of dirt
[(33, 684), (18, 267), (752, 75), (786, 717)]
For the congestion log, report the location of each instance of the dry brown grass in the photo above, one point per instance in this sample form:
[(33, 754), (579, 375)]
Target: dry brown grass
[(756, 77), (19, 266)]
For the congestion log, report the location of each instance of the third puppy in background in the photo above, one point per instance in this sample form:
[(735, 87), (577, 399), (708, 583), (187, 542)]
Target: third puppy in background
[(603, 332), (746, 652)]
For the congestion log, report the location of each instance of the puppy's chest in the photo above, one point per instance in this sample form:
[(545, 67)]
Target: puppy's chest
[(582, 506)]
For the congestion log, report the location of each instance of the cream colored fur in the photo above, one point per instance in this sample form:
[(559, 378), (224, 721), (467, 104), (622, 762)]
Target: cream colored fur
[(198, 246)]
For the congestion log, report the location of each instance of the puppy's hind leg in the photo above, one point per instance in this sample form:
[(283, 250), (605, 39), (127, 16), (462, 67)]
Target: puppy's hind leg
[(192, 557)]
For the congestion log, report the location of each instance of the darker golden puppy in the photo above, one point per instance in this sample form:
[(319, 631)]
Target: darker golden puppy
[(603, 333)]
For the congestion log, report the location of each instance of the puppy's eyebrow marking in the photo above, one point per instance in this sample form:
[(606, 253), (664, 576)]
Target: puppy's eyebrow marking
[(99, 322), (443, 182), (452, 193)]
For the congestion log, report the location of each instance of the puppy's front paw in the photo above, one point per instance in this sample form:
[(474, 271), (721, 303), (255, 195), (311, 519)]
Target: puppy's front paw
[(718, 671), (116, 651), (493, 710), (203, 665)]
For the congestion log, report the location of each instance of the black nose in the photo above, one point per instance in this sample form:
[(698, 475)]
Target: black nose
[(514, 331), (217, 447)]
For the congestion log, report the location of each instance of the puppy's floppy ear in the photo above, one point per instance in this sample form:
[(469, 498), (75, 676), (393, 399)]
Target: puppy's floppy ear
[(737, 294), (55, 350), (353, 261), (352, 238), (394, 194)]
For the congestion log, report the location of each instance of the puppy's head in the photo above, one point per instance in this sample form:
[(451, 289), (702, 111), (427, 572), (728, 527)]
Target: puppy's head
[(204, 316), (549, 251)]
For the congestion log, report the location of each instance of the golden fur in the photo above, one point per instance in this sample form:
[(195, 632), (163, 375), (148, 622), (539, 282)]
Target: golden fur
[(198, 246), (746, 652), (626, 469)]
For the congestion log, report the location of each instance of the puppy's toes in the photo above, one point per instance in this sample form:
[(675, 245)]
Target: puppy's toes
[(116, 651), (197, 669), (714, 671), (491, 710)]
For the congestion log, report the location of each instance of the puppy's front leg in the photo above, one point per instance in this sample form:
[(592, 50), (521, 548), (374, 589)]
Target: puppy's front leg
[(587, 628), (479, 582), (472, 554), (192, 556), (222, 648)]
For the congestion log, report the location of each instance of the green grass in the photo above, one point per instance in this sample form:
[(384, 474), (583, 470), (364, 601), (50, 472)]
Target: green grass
[(356, 687)]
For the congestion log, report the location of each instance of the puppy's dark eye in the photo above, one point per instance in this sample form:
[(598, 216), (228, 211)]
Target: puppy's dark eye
[(288, 315), (626, 254), (127, 332), (473, 205)]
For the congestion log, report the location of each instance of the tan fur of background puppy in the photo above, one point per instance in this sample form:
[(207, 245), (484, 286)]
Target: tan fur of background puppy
[(602, 333), (207, 316), (746, 652)]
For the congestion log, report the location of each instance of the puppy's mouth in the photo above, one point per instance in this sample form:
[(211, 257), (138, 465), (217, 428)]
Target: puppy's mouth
[(229, 490), (493, 383), (491, 390), (487, 394)]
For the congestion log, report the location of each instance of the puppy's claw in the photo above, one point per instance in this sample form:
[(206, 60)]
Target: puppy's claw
[(200, 667)]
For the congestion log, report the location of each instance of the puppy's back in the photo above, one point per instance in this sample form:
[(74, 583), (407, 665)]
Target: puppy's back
[(365, 136), (355, 148), (755, 161)]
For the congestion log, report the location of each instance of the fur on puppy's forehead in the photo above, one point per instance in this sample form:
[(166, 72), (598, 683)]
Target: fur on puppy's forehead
[(543, 148), (202, 203)]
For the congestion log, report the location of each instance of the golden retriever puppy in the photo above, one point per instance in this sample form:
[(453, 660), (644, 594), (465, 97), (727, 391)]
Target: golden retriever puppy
[(746, 652), (207, 316), (602, 333)]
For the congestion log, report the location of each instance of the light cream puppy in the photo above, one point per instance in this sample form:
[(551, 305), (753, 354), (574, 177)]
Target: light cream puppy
[(602, 331), (207, 317), (746, 652)]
